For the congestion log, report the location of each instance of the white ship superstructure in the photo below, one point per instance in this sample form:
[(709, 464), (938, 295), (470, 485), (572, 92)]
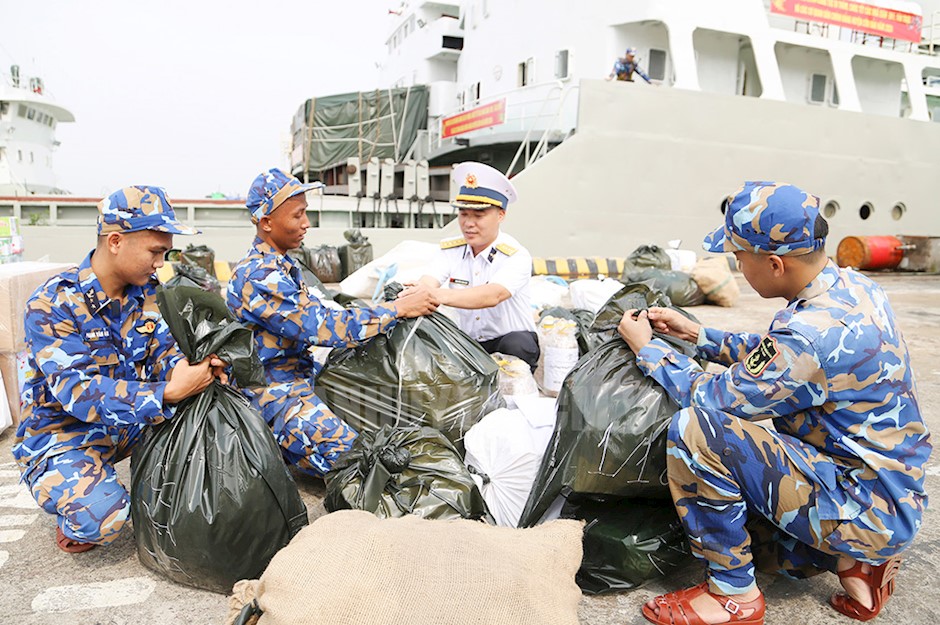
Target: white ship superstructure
[(28, 120)]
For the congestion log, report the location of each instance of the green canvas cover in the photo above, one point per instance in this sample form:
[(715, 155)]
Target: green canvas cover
[(382, 123)]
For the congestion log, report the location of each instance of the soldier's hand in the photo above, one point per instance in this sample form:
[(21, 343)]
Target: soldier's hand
[(635, 329), (416, 301), (186, 380), (217, 366), (673, 323)]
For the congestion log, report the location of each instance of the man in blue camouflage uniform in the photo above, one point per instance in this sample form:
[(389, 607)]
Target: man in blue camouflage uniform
[(625, 66), (102, 367), (267, 293), (838, 484)]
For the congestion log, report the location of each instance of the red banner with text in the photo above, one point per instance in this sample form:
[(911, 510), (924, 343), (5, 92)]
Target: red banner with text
[(855, 15), (484, 116)]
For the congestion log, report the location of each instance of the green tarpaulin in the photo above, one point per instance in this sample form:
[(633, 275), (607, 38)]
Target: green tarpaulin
[(382, 123)]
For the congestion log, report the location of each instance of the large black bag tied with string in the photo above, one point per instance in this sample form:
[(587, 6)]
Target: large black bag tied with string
[(395, 472), (211, 498)]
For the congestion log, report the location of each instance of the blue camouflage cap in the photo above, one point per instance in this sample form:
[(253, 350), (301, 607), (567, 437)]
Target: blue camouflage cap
[(136, 208), (768, 218), (270, 189), (630, 51)]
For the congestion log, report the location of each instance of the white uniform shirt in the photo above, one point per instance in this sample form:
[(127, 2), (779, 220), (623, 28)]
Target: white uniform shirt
[(504, 262)]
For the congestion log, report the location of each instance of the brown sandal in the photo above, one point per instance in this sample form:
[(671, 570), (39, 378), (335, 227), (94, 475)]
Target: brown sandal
[(69, 545), (675, 608), (880, 579)]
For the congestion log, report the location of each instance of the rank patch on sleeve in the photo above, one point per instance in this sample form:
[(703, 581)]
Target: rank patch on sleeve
[(757, 361)]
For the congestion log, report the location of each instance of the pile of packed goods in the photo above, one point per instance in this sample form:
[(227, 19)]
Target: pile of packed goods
[(458, 450)]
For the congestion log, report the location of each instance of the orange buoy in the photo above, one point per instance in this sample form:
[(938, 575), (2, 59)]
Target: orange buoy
[(882, 252)]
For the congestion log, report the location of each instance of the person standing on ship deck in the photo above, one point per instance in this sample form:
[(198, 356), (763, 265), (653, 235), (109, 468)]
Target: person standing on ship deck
[(625, 66), (838, 484), (486, 272), (103, 367), (267, 293)]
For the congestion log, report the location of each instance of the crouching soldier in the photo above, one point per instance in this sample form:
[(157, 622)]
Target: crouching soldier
[(268, 294), (103, 367)]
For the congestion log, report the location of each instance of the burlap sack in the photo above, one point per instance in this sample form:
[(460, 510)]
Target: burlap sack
[(351, 568), (714, 277)]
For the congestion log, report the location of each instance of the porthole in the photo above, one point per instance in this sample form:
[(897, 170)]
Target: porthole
[(866, 210), (724, 206), (830, 209), (898, 210)]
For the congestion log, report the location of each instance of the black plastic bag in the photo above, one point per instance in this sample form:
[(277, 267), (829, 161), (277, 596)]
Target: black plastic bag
[(199, 256), (212, 500), (649, 256), (325, 263), (356, 253), (610, 432), (402, 471), (627, 542), (681, 289), (424, 372), (194, 275), (314, 286), (632, 296)]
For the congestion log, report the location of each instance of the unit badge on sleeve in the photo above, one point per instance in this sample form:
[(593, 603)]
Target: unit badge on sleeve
[(758, 360)]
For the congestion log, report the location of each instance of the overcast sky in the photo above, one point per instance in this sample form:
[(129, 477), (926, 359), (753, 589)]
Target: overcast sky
[(195, 96)]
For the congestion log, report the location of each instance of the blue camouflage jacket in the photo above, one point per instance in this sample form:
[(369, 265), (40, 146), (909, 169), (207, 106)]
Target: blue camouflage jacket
[(94, 365), (623, 70), (834, 372), (268, 294)]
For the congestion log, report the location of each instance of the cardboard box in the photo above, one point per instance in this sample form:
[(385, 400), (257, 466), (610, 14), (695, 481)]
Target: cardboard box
[(17, 283), (13, 371)]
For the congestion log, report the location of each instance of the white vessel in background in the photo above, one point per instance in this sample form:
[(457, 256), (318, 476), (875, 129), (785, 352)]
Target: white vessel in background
[(28, 120), (743, 89)]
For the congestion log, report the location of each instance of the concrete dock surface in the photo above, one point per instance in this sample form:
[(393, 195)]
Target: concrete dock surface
[(42, 585)]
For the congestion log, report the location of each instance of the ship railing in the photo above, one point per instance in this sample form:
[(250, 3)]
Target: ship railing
[(541, 148)]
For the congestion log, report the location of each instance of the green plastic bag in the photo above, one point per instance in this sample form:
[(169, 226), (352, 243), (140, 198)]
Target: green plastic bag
[(679, 287), (356, 253), (194, 275), (314, 285), (402, 471), (325, 263), (610, 432), (424, 372), (627, 542), (211, 498), (649, 256), (199, 256)]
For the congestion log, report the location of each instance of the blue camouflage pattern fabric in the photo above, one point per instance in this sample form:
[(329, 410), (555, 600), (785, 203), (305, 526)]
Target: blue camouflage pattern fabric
[(132, 209), (843, 472), (768, 218), (623, 70), (97, 373), (267, 294)]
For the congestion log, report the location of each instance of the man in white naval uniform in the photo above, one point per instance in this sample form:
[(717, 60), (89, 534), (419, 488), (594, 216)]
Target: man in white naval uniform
[(485, 273)]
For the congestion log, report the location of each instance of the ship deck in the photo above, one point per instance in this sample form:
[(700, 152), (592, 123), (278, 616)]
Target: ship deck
[(108, 586)]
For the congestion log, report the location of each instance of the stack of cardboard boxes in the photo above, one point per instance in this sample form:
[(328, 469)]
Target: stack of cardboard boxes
[(18, 281)]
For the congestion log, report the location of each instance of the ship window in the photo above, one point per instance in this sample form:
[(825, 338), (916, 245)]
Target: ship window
[(830, 209), (473, 93), (30, 114), (452, 43), (657, 64), (522, 79), (866, 210), (32, 159), (898, 210), (4, 108), (561, 65), (22, 110), (19, 156), (817, 88)]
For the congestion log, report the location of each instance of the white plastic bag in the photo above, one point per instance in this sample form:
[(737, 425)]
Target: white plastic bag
[(411, 259), (504, 453), (593, 294), (547, 292), (515, 379)]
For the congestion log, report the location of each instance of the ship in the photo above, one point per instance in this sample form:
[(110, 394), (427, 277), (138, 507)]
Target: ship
[(29, 117)]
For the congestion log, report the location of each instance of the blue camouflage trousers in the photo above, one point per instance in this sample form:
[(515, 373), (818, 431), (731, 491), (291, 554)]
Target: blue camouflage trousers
[(744, 502), (311, 437), (80, 486)]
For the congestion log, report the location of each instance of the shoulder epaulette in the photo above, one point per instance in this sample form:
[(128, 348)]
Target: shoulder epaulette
[(506, 249), (447, 244)]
